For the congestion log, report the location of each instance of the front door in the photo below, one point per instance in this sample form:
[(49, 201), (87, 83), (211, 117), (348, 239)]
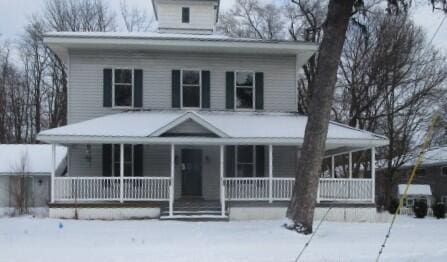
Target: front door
[(191, 172)]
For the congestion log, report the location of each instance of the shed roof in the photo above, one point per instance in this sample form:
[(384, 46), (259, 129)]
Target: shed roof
[(415, 190), (37, 158)]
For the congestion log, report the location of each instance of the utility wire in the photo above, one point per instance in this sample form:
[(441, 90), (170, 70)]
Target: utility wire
[(312, 236), (437, 29), (427, 139)]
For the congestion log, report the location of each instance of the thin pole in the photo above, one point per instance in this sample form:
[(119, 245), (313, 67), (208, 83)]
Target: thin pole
[(270, 173), (53, 170), (171, 187), (222, 185), (373, 174), (121, 173)]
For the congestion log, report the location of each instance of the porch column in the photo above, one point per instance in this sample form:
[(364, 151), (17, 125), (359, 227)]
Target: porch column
[(332, 166), (121, 173), (373, 174), (171, 187), (53, 170), (222, 185), (270, 173), (350, 164)]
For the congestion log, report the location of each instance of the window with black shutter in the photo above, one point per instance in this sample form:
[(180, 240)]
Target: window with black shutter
[(185, 15)]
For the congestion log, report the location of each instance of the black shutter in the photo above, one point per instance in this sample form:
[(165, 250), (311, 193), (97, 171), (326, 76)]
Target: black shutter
[(229, 161), (107, 87), (206, 85), (138, 88), (106, 160), (259, 81), (138, 160), (230, 90), (260, 161), (175, 88)]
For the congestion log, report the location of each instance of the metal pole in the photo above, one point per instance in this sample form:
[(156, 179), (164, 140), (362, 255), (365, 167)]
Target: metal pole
[(53, 170), (121, 173), (373, 174), (222, 186), (171, 187), (270, 174)]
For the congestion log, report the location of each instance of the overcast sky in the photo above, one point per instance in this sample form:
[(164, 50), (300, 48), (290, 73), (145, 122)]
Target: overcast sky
[(14, 14)]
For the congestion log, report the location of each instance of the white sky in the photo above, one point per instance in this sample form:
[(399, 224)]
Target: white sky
[(14, 15)]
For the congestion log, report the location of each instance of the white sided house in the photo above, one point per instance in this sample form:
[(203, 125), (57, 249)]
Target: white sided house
[(185, 123)]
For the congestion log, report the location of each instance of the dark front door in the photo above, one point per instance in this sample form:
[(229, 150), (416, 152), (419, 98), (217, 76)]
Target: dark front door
[(191, 172)]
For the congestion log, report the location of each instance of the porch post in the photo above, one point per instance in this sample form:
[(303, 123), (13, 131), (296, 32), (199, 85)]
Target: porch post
[(350, 164), (373, 174), (121, 173), (270, 173), (332, 166), (222, 185), (53, 170), (171, 187)]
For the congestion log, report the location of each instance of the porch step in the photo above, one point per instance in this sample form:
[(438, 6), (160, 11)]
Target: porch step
[(194, 210)]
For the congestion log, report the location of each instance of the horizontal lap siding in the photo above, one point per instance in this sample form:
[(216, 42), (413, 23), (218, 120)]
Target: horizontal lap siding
[(85, 90), (201, 16), (284, 161)]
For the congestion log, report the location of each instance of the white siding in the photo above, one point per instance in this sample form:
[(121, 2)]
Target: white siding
[(86, 78)]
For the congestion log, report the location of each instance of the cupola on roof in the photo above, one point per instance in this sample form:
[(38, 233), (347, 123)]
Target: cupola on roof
[(186, 16)]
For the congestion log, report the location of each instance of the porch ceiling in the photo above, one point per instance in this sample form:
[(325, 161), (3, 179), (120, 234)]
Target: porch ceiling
[(148, 127)]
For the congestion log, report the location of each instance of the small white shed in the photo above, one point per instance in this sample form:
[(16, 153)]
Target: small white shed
[(416, 192)]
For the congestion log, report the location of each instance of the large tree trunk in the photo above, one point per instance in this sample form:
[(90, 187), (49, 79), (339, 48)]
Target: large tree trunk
[(302, 204)]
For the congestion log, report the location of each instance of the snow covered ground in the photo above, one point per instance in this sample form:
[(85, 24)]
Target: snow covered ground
[(28, 239)]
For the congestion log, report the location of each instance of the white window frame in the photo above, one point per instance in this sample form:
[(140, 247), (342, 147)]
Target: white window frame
[(442, 171), (114, 161), (235, 86), (132, 86), (410, 200), (200, 88), (237, 162)]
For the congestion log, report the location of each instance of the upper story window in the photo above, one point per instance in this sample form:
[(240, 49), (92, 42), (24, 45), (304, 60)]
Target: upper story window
[(128, 160), (244, 90), (444, 171), (122, 87), (191, 89), (185, 15)]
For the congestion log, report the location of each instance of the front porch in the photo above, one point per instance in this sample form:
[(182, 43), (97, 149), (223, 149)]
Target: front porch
[(165, 156)]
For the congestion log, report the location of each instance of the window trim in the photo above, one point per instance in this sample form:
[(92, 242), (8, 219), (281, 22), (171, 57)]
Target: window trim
[(235, 87), (442, 171), (189, 15), (200, 88), (118, 161), (132, 87), (236, 149)]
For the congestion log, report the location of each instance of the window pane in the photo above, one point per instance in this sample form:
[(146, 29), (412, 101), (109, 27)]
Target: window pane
[(116, 169), (185, 14), (245, 154), (123, 76), (191, 77), (191, 96), (127, 153), (245, 170), (123, 95), (244, 98), (128, 169), (244, 79), (116, 153)]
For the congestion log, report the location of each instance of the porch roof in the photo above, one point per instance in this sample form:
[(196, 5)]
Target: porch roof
[(148, 127)]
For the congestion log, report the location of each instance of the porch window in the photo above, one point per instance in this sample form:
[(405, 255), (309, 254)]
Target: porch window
[(122, 87), (128, 160), (444, 171), (244, 93), (191, 89), (245, 161)]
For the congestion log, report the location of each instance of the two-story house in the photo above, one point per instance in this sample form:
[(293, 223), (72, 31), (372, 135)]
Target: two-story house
[(187, 122)]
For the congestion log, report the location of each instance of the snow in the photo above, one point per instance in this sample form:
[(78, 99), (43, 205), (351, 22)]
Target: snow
[(415, 190), (38, 158), (234, 124), (27, 239), (432, 156)]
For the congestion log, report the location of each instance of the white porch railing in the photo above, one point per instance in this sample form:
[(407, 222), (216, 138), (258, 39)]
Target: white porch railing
[(345, 189), (108, 188), (348, 190)]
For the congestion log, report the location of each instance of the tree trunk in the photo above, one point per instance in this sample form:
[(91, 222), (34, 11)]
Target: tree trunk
[(302, 205)]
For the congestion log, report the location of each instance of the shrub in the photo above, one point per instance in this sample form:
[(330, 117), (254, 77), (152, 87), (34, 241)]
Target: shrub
[(392, 207), (420, 209), (439, 210)]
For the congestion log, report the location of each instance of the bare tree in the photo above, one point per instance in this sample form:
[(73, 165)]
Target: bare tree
[(252, 19), (18, 184), (136, 19)]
